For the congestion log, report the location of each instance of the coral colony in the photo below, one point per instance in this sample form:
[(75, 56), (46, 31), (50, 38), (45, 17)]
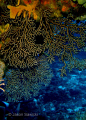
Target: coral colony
[(32, 33)]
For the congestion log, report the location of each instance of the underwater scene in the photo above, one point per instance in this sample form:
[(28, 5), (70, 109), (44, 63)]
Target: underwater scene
[(43, 59)]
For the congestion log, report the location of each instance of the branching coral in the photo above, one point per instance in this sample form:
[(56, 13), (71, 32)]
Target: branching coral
[(33, 8), (22, 85), (59, 36), (21, 50), (29, 41), (3, 30)]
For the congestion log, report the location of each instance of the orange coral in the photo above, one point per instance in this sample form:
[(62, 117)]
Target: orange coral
[(67, 4), (51, 3), (47, 1), (30, 7), (27, 1), (65, 8), (18, 10), (0, 46), (73, 4)]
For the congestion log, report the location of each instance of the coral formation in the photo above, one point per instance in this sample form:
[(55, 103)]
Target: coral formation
[(2, 67), (67, 5), (35, 7), (4, 28), (22, 85), (32, 35), (3, 31), (53, 37), (21, 49), (35, 31), (18, 10)]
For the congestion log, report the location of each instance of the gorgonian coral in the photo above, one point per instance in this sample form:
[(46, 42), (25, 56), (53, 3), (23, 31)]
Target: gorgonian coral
[(52, 37), (23, 46), (34, 7), (22, 85)]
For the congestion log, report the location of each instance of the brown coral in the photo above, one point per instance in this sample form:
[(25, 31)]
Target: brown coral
[(52, 37), (22, 85), (21, 50)]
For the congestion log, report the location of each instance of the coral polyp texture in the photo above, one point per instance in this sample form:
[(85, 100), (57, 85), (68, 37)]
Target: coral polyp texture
[(52, 37), (34, 33), (23, 45), (22, 85)]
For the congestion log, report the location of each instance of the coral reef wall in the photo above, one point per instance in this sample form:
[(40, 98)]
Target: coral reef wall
[(32, 34), (22, 85)]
